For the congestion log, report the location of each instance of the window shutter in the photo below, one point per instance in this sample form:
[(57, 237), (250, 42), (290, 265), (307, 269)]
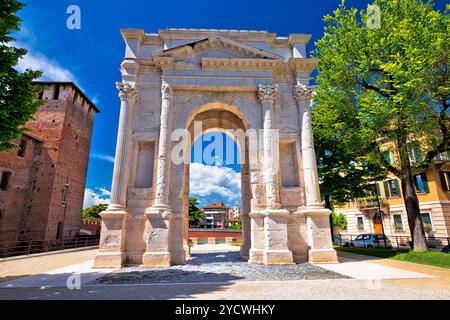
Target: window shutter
[(377, 185), (443, 181), (386, 189), (397, 186), (425, 182), (417, 151)]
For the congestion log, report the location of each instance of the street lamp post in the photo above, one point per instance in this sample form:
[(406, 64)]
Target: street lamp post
[(380, 212)]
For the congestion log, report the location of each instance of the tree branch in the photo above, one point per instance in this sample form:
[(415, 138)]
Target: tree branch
[(443, 120), (385, 163)]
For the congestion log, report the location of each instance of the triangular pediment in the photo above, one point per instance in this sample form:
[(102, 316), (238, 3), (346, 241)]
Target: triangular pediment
[(214, 48)]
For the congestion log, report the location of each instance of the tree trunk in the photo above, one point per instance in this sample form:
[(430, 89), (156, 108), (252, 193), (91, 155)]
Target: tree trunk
[(413, 211), (328, 206), (411, 201)]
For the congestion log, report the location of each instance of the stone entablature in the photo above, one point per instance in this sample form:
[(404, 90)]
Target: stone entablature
[(227, 79)]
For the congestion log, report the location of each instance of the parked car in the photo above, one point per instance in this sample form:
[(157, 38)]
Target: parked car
[(367, 240)]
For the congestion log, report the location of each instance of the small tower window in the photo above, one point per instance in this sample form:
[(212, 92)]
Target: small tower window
[(4, 182), (56, 93), (22, 147)]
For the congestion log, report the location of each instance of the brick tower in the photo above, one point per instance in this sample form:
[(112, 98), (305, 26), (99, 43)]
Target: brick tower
[(43, 185)]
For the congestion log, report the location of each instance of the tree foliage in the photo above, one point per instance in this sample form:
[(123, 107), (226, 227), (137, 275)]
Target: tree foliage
[(195, 214), (93, 212), (17, 93), (339, 221), (394, 82), (343, 165)]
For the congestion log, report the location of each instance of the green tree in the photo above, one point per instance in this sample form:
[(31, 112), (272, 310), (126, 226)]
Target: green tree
[(339, 221), (395, 80), (343, 165), (93, 212), (237, 225), (18, 96), (195, 214)]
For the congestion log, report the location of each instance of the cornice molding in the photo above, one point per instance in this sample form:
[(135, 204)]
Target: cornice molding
[(303, 64)]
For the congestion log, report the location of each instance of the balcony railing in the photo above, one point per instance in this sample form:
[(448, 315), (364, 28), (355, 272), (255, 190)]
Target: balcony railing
[(368, 203)]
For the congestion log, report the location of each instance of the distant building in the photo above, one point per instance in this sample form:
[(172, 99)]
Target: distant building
[(216, 216), (235, 212), (42, 182)]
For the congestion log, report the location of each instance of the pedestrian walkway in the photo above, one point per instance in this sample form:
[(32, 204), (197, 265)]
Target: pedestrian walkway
[(365, 269), (221, 274)]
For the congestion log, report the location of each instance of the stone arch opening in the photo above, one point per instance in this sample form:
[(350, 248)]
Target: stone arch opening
[(223, 119)]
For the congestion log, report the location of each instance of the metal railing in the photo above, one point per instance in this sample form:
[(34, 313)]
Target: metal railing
[(25, 248), (393, 242)]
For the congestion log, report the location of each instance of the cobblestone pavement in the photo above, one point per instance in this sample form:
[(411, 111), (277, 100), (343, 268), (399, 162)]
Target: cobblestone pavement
[(217, 267)]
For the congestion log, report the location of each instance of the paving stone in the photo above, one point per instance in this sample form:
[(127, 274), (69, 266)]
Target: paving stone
[(217, 267)]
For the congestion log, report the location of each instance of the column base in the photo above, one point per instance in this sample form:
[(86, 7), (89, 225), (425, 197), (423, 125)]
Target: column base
[(156, 259), (256, 256), (108, 260), (278, 257), (245, 252), (319, 256), (178, 257)]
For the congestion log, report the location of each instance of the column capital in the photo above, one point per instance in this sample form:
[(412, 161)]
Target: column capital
[(302, 93), (267, 92), (166, 91), (127, 91)]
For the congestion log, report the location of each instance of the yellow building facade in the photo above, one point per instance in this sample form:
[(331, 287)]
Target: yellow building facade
[(433, 192)]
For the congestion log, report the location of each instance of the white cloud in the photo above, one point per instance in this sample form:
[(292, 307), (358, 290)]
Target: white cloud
[(210, 183), (96, 196), (103, 157), (51, 69)]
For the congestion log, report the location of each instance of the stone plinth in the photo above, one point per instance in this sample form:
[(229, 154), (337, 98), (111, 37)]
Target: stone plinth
[(110, 254), (319, 236)]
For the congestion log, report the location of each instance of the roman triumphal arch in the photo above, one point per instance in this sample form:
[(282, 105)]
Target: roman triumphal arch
[(234, 81)]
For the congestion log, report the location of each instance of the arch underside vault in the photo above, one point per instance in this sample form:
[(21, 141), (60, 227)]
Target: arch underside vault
[(225, 86)]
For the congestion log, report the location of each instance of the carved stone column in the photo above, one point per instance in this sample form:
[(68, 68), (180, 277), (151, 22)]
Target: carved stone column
[(258, 206), (317, 217), (115, 216), (267, 96), (275, 222), (157, 233), (246, 224), (302, 96)]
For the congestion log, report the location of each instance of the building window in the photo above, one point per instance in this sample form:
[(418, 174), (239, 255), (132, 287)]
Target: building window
[(421, 183), (41, 95), (373, 190), (387, 156), (22, 147), (414, 152), (426, 219), (398, 223), (56, 93), (445, 180), (391, 188), (4, 182), (360, 223)]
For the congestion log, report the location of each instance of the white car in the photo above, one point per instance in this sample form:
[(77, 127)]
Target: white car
[(368, 240)]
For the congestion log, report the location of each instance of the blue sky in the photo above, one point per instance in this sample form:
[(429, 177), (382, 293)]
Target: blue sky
[(91, 56)]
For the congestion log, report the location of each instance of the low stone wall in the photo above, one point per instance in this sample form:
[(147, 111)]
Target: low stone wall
[(88, 227), (214, 236)]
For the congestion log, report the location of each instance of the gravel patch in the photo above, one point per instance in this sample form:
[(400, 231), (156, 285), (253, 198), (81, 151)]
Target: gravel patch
[(217, 267)]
